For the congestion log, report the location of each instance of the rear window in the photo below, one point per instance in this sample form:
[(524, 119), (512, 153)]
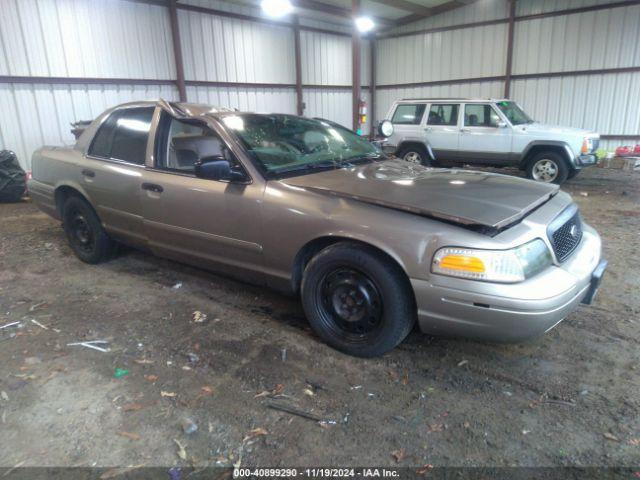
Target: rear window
[(443, 114), (408, 114), (123, 136)]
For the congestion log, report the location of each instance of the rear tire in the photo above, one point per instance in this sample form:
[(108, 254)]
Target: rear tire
[(416, 154), (548, 167), (85, 234), (356, 300)]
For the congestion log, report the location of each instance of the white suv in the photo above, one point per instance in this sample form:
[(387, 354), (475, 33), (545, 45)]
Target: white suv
[(488, 132)]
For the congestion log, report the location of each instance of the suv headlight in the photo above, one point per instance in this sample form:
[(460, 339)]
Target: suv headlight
[(587, 145), (503, 266)]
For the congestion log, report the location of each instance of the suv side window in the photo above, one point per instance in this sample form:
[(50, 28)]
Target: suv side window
[(123, 136), (409, 114), (480, 115), (443, 114)]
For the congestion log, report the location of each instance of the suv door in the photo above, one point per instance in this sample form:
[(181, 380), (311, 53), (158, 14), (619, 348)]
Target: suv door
[(442, 130), (204, 222), (113, 169), (485, 136)]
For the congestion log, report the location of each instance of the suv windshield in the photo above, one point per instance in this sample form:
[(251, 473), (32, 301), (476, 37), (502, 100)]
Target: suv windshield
[(290, 145), (514, 113)]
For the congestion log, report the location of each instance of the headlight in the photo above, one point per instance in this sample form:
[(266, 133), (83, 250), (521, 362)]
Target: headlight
[(504, 266)]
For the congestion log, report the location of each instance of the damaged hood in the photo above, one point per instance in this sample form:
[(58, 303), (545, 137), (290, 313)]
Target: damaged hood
[(461, 196)]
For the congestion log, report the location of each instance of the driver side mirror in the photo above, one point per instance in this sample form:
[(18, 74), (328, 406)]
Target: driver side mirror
[(218, 168)]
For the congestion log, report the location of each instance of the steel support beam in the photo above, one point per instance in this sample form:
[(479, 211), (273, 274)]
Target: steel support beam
[(372, 86), (355, 67), (298, 64), (177, 50), (510, 33)]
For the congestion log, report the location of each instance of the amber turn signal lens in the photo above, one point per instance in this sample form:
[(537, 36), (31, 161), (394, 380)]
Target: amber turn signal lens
[(463, 263)]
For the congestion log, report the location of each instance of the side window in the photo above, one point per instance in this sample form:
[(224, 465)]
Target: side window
[(479, 115), (186, 143), (443, 114), (408, 114), (131, 135), (123, 136)]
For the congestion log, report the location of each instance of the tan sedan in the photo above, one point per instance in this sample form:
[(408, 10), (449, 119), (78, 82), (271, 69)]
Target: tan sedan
[(371, 244)]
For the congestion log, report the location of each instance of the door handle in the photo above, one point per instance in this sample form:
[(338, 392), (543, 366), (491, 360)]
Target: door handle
[(88, 173), (427, 129), (464, 130), (152, 187)]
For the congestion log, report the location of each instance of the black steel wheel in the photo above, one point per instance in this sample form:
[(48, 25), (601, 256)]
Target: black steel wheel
[(85, 234), (357, 299)]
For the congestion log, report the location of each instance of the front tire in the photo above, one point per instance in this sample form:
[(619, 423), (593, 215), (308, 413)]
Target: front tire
[(85, 234), (356, 300), (416, 154), (548, 167)]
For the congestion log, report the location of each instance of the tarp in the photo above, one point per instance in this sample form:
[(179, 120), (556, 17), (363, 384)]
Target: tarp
[(12, 177)]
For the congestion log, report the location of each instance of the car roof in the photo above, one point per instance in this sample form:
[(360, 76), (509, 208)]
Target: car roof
[(452, 99)]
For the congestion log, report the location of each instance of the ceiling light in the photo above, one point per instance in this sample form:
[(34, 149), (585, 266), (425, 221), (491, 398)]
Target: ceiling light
[(364, 24), (276, 8)]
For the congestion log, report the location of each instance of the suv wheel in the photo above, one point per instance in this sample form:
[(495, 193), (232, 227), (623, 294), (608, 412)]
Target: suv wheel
[(548, 167), (85, 234), (415, 154), (356, 300)]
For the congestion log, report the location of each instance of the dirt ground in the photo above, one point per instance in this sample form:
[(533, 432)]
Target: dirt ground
[(571, 397)]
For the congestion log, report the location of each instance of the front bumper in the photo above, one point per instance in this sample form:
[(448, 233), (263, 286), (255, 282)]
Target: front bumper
[(510, 312), (586, 160)]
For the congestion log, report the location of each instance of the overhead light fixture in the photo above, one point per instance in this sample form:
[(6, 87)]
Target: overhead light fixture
[(276, 8), (364, 24)]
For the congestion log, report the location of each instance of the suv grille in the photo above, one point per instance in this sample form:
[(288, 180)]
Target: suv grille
[(567, 236)]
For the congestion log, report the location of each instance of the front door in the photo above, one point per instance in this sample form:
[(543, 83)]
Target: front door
[(209, 223), (484, 137)]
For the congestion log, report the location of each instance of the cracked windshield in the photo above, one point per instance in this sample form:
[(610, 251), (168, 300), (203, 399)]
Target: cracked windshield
[(284, 144)]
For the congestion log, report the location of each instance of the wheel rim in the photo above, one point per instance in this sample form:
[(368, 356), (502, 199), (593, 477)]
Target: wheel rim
[(350, 304), (545, 170), (81, 233), (413, 157)]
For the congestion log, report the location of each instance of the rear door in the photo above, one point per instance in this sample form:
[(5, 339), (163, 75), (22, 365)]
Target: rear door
[(199, 221), (442, 130), (113, 168), (484, 137)]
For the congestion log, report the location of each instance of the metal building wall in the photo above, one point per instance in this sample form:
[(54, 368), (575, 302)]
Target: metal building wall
[(88, 38), (592, 40)]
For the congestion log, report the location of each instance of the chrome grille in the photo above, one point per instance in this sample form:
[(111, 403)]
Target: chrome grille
[(567, 236)]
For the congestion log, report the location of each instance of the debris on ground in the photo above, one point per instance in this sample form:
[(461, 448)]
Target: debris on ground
[(132, 407), (168, 394), (398, 455), (284, 354), (610, 436), (12, 324), (279, 388), (120, 372), (199, 317), (151, 378), (189, 426), (182, 452), (35, 322), (256, 432), (92, 344), (129, 435), (463, 362), (292, 410), (177, 286), (144, 361), (4, 396)]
